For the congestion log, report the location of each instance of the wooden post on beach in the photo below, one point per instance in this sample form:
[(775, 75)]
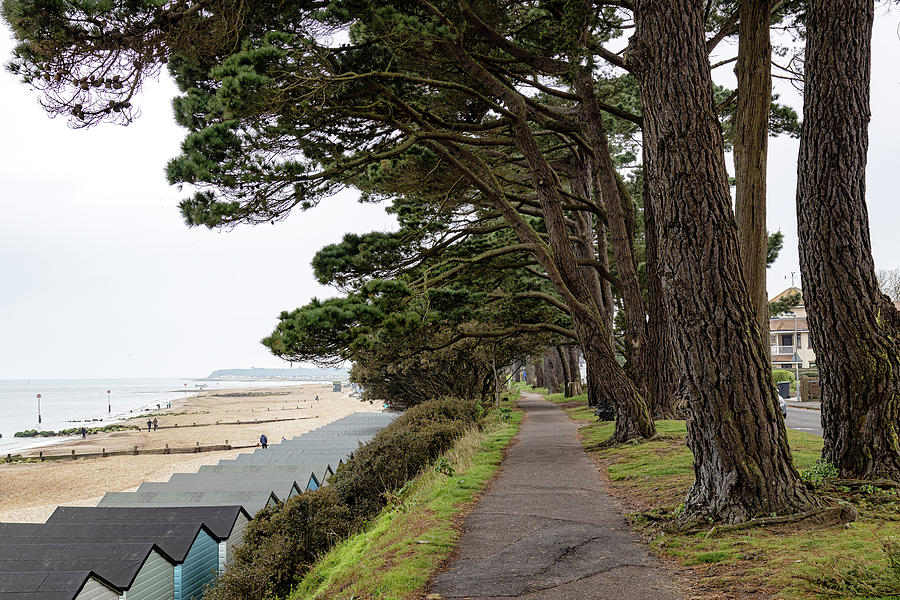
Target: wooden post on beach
[(135, 450), (167, 448), (73, 454), (103, 452), (198, 447), (42, 456)]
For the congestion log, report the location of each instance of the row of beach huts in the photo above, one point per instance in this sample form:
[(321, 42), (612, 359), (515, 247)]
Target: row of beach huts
[(167, 540)]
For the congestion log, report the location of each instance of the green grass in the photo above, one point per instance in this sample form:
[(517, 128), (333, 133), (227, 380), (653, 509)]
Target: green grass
[(396, 556), (786, 562)]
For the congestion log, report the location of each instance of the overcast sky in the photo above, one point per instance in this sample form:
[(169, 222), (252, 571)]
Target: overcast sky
[(100, 278)]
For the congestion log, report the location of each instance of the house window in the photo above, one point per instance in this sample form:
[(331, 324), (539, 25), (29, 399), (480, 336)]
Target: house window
[(799, 340), (787, 339)]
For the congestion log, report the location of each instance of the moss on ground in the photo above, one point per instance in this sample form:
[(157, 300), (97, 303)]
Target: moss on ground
[(860, 560), (409, 541)]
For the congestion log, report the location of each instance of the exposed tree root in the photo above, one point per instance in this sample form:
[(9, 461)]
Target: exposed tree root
[(858, 483), (830, 515)]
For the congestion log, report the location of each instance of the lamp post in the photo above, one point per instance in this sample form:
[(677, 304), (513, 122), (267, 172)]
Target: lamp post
[(796, 345), (39, 408), (108, 403)]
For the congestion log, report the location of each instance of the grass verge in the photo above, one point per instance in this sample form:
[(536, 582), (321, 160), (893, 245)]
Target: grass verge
[(860, 560), (411, 538)]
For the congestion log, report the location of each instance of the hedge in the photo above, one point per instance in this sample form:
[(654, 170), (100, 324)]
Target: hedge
[(282, 543)]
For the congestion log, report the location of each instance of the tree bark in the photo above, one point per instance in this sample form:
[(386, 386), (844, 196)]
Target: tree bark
[(742, 462), (854, 328), (622, 239), (552, 374), (751, 135), (563, 356), (660, 364), (556, 254), (540, 378), (574, 355)]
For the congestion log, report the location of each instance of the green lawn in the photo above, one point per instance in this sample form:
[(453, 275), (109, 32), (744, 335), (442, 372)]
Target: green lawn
[(411, 539), (860, 560)]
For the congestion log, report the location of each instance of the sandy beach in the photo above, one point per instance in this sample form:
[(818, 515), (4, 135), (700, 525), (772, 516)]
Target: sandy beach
[(29, 492)]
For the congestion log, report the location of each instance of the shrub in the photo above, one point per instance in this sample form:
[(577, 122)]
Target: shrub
[(782, 375), (281, 543)]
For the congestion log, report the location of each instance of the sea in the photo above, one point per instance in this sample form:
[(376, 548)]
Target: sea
[(66, 403)]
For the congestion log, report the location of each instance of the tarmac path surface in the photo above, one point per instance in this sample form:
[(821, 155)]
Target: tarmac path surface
[(547, 530), (804, 419)]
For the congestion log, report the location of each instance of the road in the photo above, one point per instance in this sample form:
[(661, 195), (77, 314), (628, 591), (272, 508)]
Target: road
[(804, 419)]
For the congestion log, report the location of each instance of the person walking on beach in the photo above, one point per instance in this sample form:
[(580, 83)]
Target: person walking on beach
[(83, 433), (317, 397), (155, 424), (149, 425), (264, 441)]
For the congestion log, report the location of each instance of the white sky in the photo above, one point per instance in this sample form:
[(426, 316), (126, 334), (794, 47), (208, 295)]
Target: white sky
[(99, 277)]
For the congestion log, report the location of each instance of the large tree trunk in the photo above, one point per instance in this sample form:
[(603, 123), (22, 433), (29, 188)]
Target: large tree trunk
[(854, 328), (613, 386), (557, 257), (622, 239), (660, 365), (563, 356), (540, 377), (553, 372), (751, 135), (574, 355), (742, 462)]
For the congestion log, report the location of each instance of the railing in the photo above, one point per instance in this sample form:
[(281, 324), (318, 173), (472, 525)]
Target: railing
[(776, 350)]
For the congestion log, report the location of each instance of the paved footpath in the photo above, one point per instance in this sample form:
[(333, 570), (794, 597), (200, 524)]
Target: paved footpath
[(547, 530)]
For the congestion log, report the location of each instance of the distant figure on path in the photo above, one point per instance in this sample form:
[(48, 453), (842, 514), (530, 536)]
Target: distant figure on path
[(157, 406), (155, 424), (264, 441), (149, 425), (83, 433), (317, 397)]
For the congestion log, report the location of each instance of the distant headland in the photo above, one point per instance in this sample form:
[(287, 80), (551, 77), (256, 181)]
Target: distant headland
[(297, 373)]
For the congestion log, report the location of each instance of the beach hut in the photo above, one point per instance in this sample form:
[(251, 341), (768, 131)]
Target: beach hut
[(297, 473), (190, 547), (283, 488), (225, 523), (55, 585), (252, 502), (137, 571)]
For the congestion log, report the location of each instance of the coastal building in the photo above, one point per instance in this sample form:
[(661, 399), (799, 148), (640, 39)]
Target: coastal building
[(139, 571), (789, 341), (282, 486), (251, 502), (55, 585), (225, 523), (291, 471), (189, 549)]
